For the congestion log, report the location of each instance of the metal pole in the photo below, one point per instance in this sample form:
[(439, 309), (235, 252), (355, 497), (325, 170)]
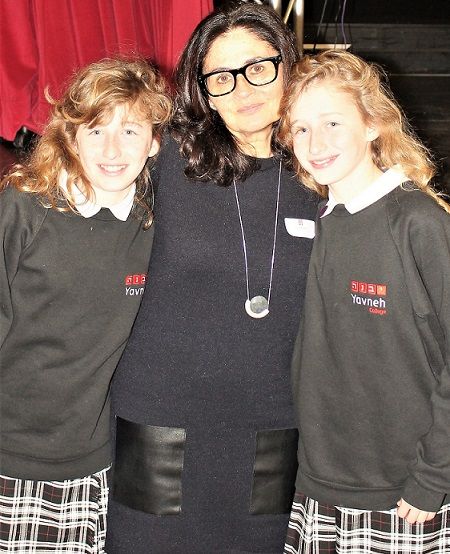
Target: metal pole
[(299, 20), (276, 5), (299, 17)]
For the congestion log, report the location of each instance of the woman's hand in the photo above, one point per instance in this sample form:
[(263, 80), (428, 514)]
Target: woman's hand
[(411, 514)]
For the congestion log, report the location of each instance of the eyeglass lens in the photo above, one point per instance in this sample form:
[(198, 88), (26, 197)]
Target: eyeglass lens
[(258, 73)]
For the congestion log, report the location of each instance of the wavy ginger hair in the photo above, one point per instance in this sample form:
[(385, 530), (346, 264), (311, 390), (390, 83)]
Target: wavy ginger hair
[(90, 99), (396, 144)]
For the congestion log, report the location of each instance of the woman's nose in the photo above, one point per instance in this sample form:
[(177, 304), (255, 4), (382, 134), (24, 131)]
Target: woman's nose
[(243, 87)]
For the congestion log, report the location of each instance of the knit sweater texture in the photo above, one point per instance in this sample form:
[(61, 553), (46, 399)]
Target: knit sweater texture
[(70, 288)]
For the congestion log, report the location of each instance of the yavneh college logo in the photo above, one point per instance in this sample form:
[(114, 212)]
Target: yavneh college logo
[(135, 284), (376, 299)]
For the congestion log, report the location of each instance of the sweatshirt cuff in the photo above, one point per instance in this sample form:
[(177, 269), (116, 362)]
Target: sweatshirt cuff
[(420, 497)]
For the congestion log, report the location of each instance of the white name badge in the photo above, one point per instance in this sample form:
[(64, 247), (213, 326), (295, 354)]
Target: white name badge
[(300, 227)]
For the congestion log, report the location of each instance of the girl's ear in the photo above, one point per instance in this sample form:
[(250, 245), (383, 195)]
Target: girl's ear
[(154, 146), (372, 133), (211, 104)]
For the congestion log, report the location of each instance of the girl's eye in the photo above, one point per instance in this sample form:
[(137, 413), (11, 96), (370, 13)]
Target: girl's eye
[(298, 131), (333, 124), (130, 132), (95, 132)]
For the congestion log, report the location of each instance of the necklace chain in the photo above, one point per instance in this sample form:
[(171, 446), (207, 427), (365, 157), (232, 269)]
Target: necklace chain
[(244, 243)]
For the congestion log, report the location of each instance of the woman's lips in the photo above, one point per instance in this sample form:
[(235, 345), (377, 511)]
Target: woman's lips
[(252, 108)]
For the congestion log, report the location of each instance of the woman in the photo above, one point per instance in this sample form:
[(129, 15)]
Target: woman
[(206, 437)]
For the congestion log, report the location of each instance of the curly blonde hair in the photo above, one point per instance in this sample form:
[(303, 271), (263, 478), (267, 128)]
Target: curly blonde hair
[(90, 98), (397, 144)]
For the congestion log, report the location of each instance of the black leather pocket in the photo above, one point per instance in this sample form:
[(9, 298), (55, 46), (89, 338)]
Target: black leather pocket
[(148, 467), (274, 471)]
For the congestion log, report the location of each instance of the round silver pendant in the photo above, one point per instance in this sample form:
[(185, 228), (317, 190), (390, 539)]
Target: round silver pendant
[(257, 307)]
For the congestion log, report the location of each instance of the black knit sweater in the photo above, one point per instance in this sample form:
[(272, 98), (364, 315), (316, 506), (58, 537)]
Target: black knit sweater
[(372, 364), (70, 288), (196, 361)]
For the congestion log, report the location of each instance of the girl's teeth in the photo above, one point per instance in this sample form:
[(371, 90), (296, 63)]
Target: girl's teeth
[(322, 162), (112, 167)]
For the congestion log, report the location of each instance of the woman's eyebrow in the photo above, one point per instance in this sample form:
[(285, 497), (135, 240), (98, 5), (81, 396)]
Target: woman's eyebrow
[(255, 59)]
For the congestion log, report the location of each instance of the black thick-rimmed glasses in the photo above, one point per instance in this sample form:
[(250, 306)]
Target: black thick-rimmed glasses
[(259, 73)]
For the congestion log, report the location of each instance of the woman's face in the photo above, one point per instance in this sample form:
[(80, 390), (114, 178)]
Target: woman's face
[(249, 111)]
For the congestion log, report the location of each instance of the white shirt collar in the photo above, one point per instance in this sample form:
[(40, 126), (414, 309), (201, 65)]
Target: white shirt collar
[(87, 208), (387, 182)]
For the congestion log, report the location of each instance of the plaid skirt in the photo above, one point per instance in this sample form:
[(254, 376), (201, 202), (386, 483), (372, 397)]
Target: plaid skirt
[(54, 517), (322, 529)]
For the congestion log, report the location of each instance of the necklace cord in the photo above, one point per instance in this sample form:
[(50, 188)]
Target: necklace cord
[(244, 245), (277, 209), (275, 232)]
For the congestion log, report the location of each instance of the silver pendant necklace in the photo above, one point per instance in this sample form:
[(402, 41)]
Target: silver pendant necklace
[(258, 306)]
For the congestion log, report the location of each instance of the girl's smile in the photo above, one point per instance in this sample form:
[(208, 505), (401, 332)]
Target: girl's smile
[(113, 169), (323, 163)]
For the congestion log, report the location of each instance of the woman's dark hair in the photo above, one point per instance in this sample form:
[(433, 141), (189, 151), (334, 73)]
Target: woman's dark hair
[(210, 149)]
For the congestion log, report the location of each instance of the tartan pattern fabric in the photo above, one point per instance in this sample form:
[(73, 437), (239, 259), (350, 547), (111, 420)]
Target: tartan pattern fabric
[(54, 517), (316, 528)]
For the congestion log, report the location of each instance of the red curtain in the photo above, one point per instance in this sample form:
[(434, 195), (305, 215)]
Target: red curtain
[(42, 42)]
